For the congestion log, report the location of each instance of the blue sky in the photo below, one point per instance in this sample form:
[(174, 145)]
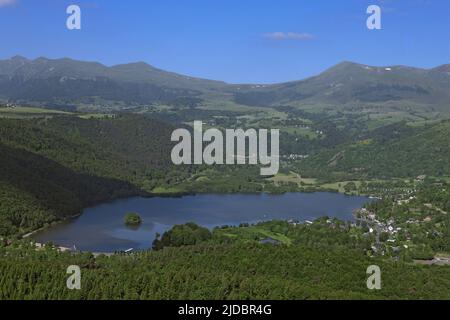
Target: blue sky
[(238, 41)]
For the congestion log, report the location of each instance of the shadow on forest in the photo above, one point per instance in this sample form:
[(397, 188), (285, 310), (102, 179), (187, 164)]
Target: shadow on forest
[(57, 187)]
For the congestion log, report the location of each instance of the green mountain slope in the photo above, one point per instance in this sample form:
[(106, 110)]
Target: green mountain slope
[(413, 152), (358, 85), (35, 191), (52, 168), (66, 82), (71, 84), (217, 271)]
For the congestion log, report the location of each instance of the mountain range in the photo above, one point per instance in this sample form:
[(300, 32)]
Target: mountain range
[(70, 83)]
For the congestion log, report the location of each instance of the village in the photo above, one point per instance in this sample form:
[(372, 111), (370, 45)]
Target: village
[(399, 234)]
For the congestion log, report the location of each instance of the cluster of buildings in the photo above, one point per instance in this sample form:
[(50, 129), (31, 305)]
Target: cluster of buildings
[(293, 157), (377, 228), (9, 105)]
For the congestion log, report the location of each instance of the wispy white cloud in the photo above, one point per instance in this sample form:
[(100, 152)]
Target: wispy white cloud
[(278, 36), (4, 3)]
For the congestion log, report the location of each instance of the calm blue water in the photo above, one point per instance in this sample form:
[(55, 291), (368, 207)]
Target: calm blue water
[(101, 228)]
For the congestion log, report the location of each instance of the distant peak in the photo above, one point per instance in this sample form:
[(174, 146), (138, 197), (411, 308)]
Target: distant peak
[(347, 63), (44, 59), (138, 65), (19, 58), (142, 63), (41, 59), (444, 68)]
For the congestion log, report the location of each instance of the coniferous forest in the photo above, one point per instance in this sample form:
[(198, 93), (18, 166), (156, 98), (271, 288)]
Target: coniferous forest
[(54, 167)]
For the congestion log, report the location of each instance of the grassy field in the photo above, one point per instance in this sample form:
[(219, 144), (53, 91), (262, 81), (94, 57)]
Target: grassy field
[(33, 112), (253, 233), (95, 116), (339, 186), (292, 178), (301, 132), (27, 112), (162, 190)]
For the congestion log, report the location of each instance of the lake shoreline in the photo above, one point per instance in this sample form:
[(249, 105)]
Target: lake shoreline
[(175, 195), (100, 228)]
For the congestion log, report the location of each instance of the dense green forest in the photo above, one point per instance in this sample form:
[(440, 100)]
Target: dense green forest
[(354, 128), (404, 227), (217, 271), (327, 259), (390, 152), (51, 169), (36, 191)]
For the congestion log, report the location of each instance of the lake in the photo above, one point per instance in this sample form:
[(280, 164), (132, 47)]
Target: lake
[(101, 228)]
